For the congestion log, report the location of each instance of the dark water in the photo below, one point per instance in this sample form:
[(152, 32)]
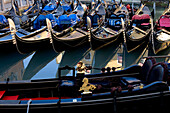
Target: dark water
[(43, 64)]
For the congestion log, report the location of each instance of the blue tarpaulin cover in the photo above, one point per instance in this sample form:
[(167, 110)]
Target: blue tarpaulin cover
[(65, 19), (41, 21), (50, 7), (3, 20), (67, 7)]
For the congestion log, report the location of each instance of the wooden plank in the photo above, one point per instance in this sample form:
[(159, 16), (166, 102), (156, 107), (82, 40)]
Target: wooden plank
[(140, 30), (163, 56), (118, 9), (140, 9)]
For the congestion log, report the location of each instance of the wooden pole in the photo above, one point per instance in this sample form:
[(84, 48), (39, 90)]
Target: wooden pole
[(32, 1), (27, 4), (2, 5), (163, 56), (20, 3)]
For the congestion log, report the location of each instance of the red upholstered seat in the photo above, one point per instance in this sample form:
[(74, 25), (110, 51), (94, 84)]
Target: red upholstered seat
[(1, 94), (164, 21), (140, 17), (10, 97), (40, 98), (45, 98)]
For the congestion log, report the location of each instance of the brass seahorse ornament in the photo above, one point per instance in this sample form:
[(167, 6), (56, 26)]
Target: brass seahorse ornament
[(87, 86)]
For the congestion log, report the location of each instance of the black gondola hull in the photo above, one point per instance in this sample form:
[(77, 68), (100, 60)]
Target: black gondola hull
[(160, 45), (7, 45), (151, 96), (132, 44), (62, 44), (97, 43), (26, 45), (131, 104)]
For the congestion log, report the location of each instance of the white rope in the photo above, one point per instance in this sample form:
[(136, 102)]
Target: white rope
[(28, 103)]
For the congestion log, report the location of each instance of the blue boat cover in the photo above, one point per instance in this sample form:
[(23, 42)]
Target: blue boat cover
[(3, 20), (65, 19), (41, 21), (67, 8), (74, 18), (50, 7)]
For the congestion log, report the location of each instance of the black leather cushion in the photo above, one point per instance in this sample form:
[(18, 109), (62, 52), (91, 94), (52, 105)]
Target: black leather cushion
[(159, 72), (149, 62), (95, 20), (24, 18), (16, 20)]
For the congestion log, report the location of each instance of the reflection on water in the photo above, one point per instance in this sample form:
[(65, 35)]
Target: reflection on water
[(134, 56), (44, 64), (11, 65), (72, 57), (38, 61), (103, 56)]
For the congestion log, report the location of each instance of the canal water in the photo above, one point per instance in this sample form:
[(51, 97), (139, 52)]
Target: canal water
[(44, 64)]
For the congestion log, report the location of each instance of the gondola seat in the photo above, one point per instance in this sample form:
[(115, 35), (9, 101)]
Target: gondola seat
[(16, 21), (141, 21), (164, 21), (156, 80), (95, 20), (149, 62), (158, 72), (24, 19), (115, 21), (2, 94), (10, 97), (64, 22), (150, 72)]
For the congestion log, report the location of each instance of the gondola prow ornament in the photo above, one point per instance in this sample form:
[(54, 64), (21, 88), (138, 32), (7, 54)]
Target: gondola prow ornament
[(87, 86), (89, 26), (49, 27), (12, 29)]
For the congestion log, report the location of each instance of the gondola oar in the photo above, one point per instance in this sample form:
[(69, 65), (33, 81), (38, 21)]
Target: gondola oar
[(163, 56), (151, 39)]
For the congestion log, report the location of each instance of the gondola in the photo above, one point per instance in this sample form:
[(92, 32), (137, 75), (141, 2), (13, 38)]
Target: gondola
[(139, 33), (28, 41), (13, 11), (65, 8), (70, 32), (133, 89), (161, 36), (6, 42), (33, 10), (112, 32), (51, 6), (6, 39)]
